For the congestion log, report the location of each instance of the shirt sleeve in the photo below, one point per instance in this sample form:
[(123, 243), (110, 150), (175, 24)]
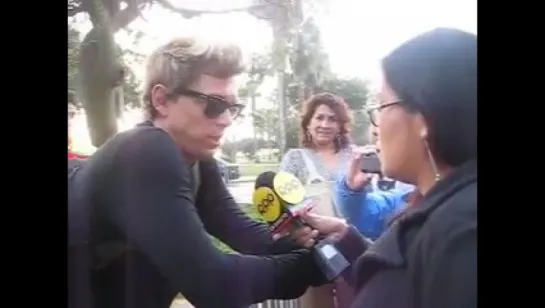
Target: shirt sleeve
[(152, 204), (224, 219), (368, 211)]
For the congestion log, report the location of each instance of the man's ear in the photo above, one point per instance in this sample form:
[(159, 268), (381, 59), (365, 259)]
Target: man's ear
[(159, 99)]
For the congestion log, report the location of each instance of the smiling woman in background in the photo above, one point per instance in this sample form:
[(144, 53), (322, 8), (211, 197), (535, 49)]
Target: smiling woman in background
[(323, 157)]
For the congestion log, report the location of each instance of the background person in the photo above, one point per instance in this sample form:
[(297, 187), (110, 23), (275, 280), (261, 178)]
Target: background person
[(322, 158), (368, 210)]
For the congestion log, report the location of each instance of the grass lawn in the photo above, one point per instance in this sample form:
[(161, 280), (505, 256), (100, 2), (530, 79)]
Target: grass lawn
[(256, 169)]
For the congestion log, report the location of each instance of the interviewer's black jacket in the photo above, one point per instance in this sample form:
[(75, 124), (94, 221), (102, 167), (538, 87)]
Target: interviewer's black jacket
[(138, 190), (428, 258)]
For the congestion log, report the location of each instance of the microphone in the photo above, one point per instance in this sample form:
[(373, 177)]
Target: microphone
[(280, 199), (280, 212)]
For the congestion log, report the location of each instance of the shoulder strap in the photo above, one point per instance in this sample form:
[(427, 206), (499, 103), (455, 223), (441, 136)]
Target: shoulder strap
[(311, 167)]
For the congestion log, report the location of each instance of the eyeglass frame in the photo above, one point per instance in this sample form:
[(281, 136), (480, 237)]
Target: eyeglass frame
[(378, 108), (211, 100)]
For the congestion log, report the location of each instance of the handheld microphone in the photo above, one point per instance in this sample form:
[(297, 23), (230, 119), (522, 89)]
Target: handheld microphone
[(280, 199)]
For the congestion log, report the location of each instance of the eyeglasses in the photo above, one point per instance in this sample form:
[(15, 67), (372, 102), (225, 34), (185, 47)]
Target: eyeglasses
[(215, 105), (374, 111)]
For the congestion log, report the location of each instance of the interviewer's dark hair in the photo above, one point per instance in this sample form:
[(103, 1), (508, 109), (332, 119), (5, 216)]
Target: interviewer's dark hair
[(436, 74)]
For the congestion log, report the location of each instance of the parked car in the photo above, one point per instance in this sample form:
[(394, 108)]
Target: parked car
[(228, 170)]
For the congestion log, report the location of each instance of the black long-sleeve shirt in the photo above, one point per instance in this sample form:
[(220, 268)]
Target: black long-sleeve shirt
[(141, 188)]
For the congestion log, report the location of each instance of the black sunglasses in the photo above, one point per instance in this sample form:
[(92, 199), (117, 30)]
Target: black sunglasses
[(214, 105), (373, 111)]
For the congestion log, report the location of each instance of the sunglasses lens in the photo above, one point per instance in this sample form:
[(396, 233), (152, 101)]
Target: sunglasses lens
[(215, 108)]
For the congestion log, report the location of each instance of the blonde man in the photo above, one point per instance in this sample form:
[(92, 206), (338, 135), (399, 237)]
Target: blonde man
[(156, 194)]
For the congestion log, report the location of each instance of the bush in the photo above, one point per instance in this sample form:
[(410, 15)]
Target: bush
[(256, 169)]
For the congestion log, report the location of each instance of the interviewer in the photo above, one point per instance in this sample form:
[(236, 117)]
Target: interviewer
[(427, 128)]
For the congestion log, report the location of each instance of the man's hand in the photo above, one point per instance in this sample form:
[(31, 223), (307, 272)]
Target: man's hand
[(317, 225), (357, 179)]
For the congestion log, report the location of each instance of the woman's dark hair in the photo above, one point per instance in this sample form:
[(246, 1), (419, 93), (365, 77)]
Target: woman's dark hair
[(342, 113), (436, 74)]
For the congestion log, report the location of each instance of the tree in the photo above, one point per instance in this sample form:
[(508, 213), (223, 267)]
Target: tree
[(229, 150), (309, 61), (101, 71), (266, 124), (131, 90), (73, 52), (354, 91), (131, 85), (260, 67)]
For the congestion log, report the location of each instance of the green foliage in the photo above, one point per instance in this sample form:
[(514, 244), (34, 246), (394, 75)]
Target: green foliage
[(131, 90), (74, 43), (354, 91), (309, 61), (247, 146), (266, 123), (131, 86), (256, 169), (229, 149)]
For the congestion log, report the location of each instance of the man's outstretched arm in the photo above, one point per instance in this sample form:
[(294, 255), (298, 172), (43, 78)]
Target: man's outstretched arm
[(224, 219), (153, 206)]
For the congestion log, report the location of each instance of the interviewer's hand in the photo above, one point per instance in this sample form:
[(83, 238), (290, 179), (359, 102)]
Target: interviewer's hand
[(357, 179), (317, 224)]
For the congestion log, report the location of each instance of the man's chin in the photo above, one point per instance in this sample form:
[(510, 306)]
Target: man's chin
[(208, 153)]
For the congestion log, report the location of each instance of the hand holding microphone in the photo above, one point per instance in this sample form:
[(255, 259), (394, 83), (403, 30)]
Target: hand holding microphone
[(316, 225), (280, 199)]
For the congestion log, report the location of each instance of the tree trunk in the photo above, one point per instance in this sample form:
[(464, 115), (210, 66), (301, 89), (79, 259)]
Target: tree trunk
[(100, 73), (253, 105)]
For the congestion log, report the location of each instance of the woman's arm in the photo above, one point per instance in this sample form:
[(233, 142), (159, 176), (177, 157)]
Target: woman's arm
[(367, 211), (152, 203)]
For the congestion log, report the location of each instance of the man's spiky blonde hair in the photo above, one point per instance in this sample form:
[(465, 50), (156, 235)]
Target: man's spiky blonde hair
[(183, 60)]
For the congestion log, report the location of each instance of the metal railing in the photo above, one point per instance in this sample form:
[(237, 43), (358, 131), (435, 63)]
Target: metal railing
[(278, 304)]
